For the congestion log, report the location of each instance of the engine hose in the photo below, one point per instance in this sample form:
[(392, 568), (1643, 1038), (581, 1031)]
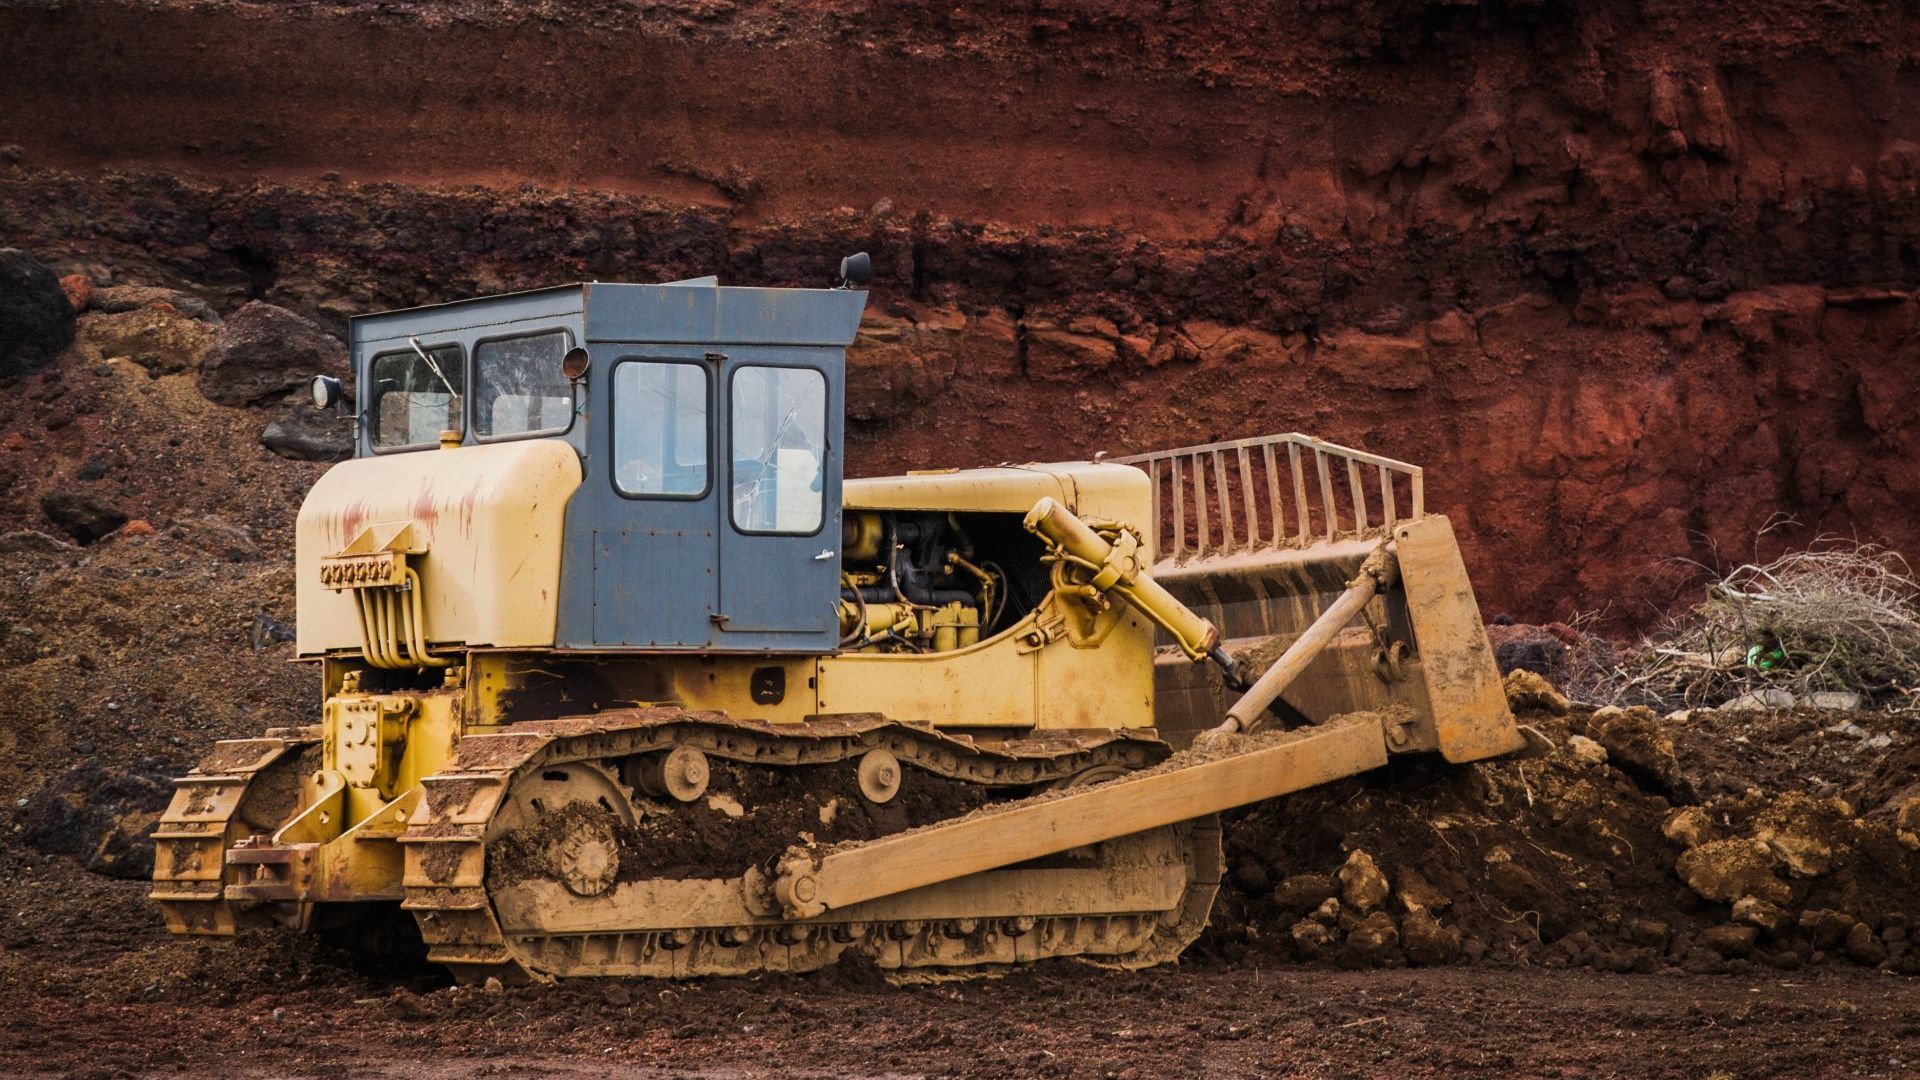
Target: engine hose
[(860, 627), (875, 594), (896, 578), (881, 639), (1000, 594)]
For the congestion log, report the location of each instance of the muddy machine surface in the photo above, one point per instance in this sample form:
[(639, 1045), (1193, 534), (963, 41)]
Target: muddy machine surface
[(620, 676)]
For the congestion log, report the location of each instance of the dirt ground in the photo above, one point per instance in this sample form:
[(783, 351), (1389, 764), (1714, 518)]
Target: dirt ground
[(105, 994), (93, 986)]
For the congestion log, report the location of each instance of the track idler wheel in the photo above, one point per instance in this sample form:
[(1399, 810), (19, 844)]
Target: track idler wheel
[(879, 776), (681, 773)]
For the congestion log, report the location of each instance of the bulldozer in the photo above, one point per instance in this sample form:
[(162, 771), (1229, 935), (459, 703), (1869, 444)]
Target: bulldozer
[(620, 675)]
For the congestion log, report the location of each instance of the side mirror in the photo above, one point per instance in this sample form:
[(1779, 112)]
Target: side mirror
[(856, 269), (327, 392)]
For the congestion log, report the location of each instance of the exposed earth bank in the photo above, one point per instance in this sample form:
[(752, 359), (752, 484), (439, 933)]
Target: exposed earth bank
[(1629, 279)]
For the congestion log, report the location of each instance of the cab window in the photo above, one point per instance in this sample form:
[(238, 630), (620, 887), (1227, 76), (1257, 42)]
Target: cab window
[(660, 415), (416, 397), (779, 419), (518, 388)]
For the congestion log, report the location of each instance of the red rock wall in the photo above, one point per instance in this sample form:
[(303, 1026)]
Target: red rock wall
[(1630, 279)]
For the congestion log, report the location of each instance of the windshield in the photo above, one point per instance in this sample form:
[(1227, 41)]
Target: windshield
[(518, 387), (412, 404)]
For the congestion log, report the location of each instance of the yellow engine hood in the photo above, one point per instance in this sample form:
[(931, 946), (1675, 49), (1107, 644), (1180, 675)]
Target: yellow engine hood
[(490, 518)]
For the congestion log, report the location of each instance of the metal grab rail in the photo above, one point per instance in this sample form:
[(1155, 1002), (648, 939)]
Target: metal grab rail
[(1275, 507)]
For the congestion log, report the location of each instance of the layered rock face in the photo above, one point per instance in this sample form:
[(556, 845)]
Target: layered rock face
[(1632, 280)]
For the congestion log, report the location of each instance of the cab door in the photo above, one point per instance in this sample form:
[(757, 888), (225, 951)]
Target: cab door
[(781, 413), (654, 547)]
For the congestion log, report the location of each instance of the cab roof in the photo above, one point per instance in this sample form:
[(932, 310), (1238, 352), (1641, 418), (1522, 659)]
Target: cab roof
[(694, 311)]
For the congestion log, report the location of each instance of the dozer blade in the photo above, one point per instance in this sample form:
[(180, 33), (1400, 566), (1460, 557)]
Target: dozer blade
[(1262, 536)]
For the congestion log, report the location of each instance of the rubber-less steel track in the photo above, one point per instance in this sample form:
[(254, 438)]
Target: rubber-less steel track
[(223, 800), (1132, 902)]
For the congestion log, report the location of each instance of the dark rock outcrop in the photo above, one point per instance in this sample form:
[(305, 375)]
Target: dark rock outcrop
[(102, 815), (305, 433), (82, 516), (264, 351), (36, 319)]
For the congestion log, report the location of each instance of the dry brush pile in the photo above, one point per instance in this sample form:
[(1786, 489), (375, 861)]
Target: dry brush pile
[(1838, 624)]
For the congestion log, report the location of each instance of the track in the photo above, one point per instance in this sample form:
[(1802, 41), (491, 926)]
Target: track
[(246, 787), (534, 858)]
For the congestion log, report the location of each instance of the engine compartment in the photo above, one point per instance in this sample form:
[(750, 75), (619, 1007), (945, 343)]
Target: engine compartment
[(933, 581)]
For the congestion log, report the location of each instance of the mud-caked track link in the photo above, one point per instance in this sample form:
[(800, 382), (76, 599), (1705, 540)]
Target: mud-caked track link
[(245, 787), (1132, 902)]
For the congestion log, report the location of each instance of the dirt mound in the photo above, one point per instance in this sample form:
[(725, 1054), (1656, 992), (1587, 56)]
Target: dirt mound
[(1624, 841), (168, 632)]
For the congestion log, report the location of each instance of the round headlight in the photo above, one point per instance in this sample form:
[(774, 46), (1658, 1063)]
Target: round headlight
[(326, 391), (574, 364)]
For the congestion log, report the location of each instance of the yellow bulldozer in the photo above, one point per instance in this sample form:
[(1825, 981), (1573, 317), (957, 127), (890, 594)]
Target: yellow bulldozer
[(620, 676)]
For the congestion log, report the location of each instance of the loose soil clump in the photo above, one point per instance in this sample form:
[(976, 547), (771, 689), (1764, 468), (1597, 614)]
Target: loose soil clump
[(749, 816), (1622, 841)]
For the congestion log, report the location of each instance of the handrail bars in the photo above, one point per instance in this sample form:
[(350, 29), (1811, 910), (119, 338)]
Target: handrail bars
[(1181, 479)]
